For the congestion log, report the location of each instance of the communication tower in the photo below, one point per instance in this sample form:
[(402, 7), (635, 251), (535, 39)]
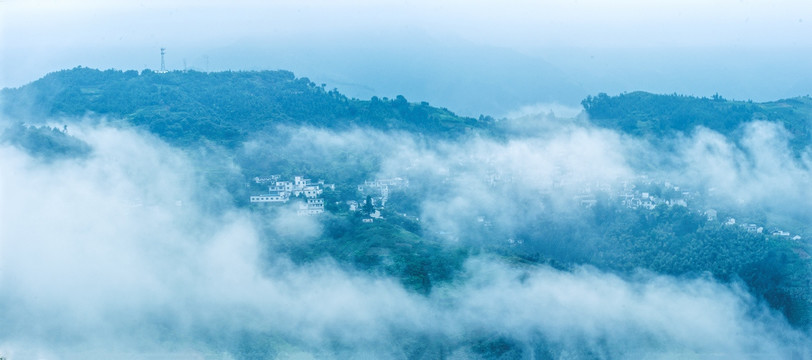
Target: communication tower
[(163, 66)]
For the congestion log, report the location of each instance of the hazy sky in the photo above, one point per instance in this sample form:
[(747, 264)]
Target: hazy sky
[(40, 36), (514, 23)]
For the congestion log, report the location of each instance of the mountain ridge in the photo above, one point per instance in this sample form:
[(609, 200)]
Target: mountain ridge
[(654, 115), (225, 107)]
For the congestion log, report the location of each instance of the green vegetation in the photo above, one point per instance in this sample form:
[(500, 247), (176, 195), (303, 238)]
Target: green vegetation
[(45, 142), (667, 240), (227, 108), (675, 241), (190, 109), (658, 116), (382, 247)]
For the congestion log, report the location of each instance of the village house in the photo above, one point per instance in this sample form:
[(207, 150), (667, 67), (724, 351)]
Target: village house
[(711, 214), (380, 188), (586, 200), (311, 207), (753, 228), (378, 184), (283, 191), (271, 197)]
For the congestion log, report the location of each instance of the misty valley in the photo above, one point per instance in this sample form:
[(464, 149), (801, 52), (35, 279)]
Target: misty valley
[(256, 214)]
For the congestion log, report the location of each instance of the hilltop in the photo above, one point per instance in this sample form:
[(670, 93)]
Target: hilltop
[(655, 116), (184, 107)]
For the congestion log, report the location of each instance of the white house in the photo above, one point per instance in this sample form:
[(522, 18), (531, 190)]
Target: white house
[(311, 207), (281, 191), (380, 188), (271, 197)]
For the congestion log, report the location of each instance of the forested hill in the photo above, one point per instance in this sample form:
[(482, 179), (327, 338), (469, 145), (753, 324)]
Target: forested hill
[(184, 107), (225, 107), (645, 114)]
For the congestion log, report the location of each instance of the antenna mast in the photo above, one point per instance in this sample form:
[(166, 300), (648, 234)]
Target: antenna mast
[(163, 67)]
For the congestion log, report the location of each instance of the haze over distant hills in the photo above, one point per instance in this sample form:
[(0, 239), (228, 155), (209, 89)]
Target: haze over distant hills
[(467, 78)]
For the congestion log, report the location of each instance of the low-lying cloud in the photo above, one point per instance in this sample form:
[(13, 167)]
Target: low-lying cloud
[(759, 170), (118, 255)]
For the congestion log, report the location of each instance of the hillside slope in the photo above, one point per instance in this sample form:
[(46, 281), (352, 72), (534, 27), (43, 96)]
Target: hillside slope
[(655, 116), (225, 107), (271, 122)]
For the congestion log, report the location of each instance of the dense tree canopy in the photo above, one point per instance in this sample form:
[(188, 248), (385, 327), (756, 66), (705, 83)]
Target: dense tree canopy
[(651, 115), (184, 107), (45, 142)]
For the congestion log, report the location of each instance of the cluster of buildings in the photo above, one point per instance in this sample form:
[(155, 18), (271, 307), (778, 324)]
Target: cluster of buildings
[(379, 189), (635, 199), (632, 198), (753, 228), (283, 191), (376, 191)]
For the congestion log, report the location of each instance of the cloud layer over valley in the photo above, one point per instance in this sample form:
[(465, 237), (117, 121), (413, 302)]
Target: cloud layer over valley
[(131, 251)]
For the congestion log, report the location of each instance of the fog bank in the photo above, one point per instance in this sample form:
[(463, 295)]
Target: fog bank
[(120, 255)]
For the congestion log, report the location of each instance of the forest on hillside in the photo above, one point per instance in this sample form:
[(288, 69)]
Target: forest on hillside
[(656, 116), (187, 107), (536, 194)]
